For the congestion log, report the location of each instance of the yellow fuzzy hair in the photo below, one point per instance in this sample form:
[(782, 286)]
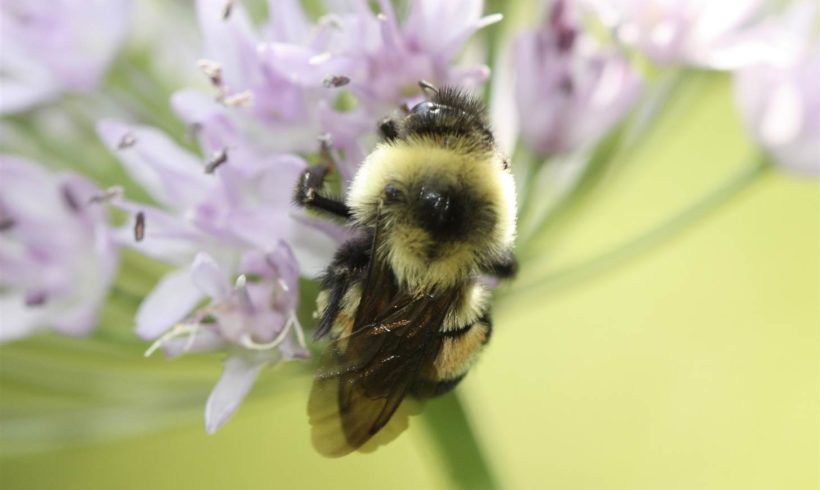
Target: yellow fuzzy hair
[(415, 160)]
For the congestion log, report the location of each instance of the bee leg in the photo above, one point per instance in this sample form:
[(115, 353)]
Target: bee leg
[(388, 129), (348, 268), (506, 268), (309, 193)]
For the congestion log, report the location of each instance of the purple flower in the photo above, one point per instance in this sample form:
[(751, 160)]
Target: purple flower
[(253, 319), (780, 99), (226, 226), (277, 89), (52, 46), (705, 33), (224, 222), (389, 57), (57, 257), (568, 91)]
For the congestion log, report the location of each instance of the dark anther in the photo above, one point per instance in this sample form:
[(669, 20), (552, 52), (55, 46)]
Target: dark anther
[(36, 298), (6, 223), (335, 81), (192, 131), (567, 85), (227, 9), (70, 199), (127, 141), (217, 160), (139, 227)]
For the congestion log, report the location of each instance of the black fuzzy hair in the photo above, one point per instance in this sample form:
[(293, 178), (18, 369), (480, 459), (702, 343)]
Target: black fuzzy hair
[(462, 118)]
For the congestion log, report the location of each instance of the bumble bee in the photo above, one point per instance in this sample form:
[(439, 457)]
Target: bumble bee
[(405, 303)]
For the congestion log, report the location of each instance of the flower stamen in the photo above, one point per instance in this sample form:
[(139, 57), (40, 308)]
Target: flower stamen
[(139, 227), (178, 330), (219, 157), (127, 141)]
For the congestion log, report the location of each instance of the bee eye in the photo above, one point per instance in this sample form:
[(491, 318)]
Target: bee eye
[(426, 108), (392, 193)]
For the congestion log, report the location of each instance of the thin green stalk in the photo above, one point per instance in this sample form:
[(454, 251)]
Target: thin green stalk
[(458, 447), (701, 208)]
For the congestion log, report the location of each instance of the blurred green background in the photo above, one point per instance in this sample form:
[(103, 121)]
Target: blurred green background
[(690, 363)]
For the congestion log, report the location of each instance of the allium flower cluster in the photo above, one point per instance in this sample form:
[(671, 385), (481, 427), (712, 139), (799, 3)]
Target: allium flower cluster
[(224, 220), (53, 46), (57, 257), (279, 87)]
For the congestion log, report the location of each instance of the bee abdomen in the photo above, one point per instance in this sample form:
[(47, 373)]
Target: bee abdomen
[(459, 350)]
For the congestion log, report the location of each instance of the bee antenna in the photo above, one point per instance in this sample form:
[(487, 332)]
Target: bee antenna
[(428, 88)]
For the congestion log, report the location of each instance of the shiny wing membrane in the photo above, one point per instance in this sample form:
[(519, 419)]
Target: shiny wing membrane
[(364, 376)]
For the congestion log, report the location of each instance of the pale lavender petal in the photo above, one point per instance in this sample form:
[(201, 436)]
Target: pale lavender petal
[(172, 175), (168, 303), (230, 42), (288, 22), (56, 250), (17, 320), (209, 278), (567, 97), (78, 321), (237, 379), (36, 35)]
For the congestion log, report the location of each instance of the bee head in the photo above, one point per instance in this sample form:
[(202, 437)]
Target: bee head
[(438, 191)]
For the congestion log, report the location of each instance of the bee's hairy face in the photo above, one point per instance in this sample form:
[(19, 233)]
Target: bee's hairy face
[(444, 210)]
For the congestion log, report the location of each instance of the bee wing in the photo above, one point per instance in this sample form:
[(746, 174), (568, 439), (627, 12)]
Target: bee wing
[(364, 376)]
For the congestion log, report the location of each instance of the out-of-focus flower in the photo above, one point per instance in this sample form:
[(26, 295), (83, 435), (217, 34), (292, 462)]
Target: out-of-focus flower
[(223, 221), (705, 33), (279, 90), (780, 99), (569, 92), (57, 256), (52, 46)]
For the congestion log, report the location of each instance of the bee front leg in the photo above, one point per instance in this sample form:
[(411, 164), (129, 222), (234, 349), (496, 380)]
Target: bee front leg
[(310, 191)]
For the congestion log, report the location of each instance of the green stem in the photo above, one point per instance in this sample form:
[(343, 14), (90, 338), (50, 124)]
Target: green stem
[(632, 248), (458, 447)]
